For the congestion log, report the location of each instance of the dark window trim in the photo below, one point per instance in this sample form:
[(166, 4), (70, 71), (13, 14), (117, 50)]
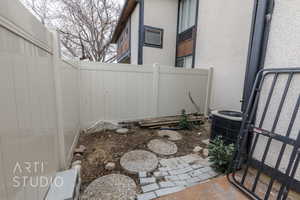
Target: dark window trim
[(195, 36), (162, 37), (141, 32), (178, 57), (127, 54), (177, 35)]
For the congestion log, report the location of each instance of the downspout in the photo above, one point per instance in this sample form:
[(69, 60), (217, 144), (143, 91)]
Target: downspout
[(260, 28), (141, 32), (177, 30)]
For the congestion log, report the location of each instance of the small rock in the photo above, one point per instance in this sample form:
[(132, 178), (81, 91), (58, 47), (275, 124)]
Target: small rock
[(122, 130), (197, 149), (110, 166), (78, 155), (81, 149), (205, 141), (77, 162), (103, 126), (200, 133), (205, 153)]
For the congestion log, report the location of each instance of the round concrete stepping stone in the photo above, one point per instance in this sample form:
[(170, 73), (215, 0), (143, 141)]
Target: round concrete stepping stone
[(162, 147), (111, 187), (139, 161), (170, 135)]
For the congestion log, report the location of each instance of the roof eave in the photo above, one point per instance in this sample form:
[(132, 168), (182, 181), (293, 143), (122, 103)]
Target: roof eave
[(125, 14)]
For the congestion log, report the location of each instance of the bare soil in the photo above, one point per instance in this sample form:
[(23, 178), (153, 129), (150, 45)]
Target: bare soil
[(108, 146)]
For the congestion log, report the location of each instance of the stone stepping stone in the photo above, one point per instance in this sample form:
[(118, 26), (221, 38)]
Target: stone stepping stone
[(170, 135), (139, 161), (162, 147), (111, 187)]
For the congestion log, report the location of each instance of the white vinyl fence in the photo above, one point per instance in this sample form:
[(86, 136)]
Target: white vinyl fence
[(125, 92), (69, 76), (39, 116)]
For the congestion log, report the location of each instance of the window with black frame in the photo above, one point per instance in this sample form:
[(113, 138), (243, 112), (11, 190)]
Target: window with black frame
[(187, 15), (186, 28), (153, 37)]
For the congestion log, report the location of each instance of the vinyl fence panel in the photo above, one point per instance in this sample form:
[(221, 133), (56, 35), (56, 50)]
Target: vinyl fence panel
[(117, 92), (31, 146), (69, 74), (28, 131)]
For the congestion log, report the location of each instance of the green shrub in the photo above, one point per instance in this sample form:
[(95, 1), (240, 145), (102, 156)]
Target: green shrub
[(184, 123), (220, 155)]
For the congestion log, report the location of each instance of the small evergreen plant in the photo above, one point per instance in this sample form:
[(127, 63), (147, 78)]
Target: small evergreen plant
[(220, 155)]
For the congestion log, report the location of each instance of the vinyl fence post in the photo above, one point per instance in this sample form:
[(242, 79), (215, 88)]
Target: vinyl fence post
[(58, 100), (156, 74), (208, 92)]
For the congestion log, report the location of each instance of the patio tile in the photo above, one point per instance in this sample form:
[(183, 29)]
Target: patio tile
[(216, 189), (146, 196), (147, 180), (151, 187), (171, 190), (164, 184)]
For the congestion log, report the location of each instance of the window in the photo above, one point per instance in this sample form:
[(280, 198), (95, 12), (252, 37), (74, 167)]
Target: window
[(187, 14), (153, 37), (186, 62)]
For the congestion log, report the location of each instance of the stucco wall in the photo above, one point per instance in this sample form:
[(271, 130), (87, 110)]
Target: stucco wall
[(222, 43), (134, 40), (162, 14), (283, 51)]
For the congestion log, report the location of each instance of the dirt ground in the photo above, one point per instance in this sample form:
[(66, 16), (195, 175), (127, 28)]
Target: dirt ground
[(108, 146)]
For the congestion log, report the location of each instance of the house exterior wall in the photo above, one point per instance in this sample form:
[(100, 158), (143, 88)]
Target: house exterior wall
[(222, 43), (161, 14), (283, 51), (134, 40)]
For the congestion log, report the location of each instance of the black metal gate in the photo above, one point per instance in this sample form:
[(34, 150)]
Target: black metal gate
[(270, 84)]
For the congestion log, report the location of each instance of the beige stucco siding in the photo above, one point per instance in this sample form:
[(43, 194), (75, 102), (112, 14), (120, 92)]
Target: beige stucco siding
[(222, 43), (162, 14)]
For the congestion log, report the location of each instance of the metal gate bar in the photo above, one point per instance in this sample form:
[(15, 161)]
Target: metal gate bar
[(261, 121), (284, 188), (249, 128), (291, 124), (272, 130)]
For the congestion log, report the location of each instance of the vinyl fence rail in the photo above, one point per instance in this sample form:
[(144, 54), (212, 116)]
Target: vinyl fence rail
[(128, 92)]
